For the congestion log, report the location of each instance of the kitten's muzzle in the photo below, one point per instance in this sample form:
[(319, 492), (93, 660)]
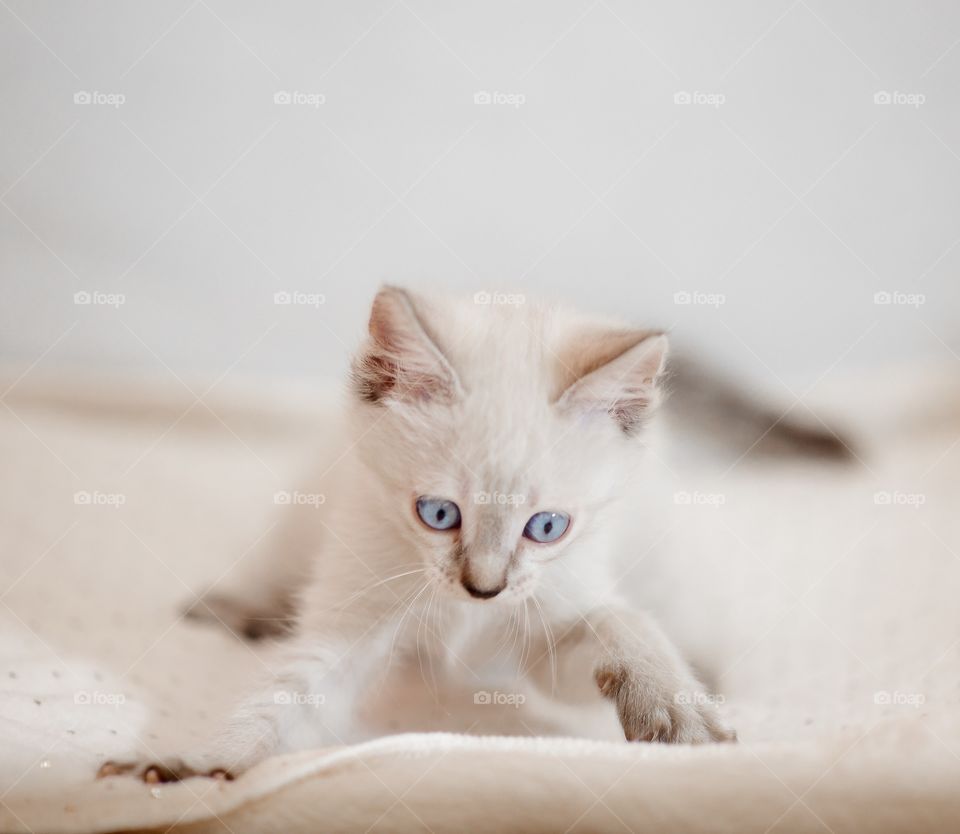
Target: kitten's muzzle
[(483, 569)]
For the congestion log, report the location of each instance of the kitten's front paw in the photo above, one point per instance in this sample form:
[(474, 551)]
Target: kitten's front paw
[(651, 710), (173, 770)]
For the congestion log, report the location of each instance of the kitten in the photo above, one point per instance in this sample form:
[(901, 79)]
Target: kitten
[(488, 466)]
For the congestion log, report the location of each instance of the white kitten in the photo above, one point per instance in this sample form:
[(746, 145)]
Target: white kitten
[(489, 457)]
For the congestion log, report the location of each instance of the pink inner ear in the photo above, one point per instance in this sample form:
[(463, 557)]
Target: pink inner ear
[(625, 386), (379, 375), (373, 377), (401, 361), (591, 351)]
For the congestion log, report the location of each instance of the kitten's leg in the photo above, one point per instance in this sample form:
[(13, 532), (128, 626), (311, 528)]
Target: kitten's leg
[(256, 597), (246, 611), (309, 703), (657, 696)]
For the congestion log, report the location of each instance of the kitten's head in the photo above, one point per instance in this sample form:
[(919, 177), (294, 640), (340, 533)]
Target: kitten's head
[(499, 433)]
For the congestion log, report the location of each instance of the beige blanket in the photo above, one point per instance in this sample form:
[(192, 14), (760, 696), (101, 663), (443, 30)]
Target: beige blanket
[(827, 604)]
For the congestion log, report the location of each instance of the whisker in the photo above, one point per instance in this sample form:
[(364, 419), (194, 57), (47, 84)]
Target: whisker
[(521, 670), (580, 616), (419, 615), (396, 634), (427, 629), (502, 643), (516, 635), (380, 582), (551, 646), (340, 605)]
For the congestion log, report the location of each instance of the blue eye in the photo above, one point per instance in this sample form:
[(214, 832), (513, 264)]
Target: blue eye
[(438, 514), (546, 527)]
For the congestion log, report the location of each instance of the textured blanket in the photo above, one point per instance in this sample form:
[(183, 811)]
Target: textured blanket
[(825, 605)]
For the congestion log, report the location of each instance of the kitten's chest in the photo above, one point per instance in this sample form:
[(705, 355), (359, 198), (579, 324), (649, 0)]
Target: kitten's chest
[(476, 645)]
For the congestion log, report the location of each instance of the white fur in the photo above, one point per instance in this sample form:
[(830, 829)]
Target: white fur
[(506, 411)]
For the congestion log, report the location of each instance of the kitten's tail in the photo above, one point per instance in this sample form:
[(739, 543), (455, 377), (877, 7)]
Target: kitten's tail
[(703, 401)]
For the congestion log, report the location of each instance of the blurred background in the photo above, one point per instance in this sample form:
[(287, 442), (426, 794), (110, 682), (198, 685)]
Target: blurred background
[(198, 199), (778, 182)]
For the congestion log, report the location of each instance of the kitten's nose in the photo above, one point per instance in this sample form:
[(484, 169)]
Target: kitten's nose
[(481, 593)]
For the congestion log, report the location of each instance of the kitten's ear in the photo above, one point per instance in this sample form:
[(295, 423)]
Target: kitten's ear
[(401, 360), (617, 373)]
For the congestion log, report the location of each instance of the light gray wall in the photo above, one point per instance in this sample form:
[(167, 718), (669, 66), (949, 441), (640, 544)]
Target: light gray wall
[(797, 198)]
